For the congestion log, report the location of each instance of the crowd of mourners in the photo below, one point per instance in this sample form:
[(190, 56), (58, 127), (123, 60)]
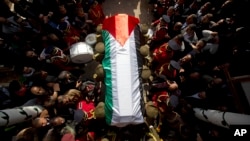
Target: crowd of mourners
[(187, 47)]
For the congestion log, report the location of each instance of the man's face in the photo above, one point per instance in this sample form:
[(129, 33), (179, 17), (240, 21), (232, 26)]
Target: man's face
[(66, 100), (41, 122), (37, 90), (27, 70), (205, 19), (177, 26), (162, 22), (189, 31), (205, 6), (215, 82), (31, 54), (189, 19), (170, 11), (186, 58), (68, 75), (80, 12), (178, 41), (200, 45), (58, 121), (62, 9)]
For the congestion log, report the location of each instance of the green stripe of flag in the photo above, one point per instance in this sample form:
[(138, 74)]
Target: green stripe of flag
[(108, 77)]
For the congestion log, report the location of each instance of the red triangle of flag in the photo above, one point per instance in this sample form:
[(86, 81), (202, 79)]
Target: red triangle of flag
[(120, 26)]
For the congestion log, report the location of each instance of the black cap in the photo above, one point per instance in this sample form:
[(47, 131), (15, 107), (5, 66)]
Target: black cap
[(175, 64), (78, 115)]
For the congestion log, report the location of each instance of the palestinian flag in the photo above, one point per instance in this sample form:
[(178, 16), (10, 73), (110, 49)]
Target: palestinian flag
[(122, 65)]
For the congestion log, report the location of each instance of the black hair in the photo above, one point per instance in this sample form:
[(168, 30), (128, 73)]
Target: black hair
[(194, 18), (204, 41), (19, 68), (180, 37), (63, 26), (192, 26), (14, 86)]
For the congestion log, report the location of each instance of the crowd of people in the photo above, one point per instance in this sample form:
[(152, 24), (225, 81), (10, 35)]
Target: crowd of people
[(188, 45)]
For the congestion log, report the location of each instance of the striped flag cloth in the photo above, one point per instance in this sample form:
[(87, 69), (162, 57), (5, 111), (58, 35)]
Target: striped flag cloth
[(122, 66)]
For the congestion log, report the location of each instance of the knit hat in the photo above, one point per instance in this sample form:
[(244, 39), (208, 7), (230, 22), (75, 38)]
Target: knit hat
[(99, 111)]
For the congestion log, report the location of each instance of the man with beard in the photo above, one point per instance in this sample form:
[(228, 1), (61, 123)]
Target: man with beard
[(46, 94)]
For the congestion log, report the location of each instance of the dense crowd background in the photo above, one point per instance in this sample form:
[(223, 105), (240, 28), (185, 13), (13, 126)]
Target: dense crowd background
[(191, 44)]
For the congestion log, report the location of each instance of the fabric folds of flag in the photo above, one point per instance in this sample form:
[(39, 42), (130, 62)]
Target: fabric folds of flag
[(122, 65)]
